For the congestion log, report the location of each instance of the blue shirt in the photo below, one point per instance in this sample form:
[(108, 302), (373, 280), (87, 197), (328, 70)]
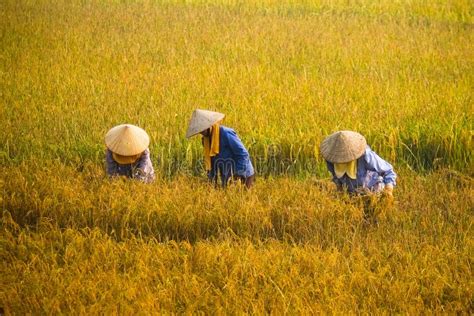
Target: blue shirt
[(233, 158), (142, 169), (371, 171)]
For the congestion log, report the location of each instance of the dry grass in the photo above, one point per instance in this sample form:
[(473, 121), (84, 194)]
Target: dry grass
[(80, 243)]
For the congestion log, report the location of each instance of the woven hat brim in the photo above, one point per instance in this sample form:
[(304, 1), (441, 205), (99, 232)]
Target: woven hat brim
[(127, 140), (343, 146), (125, 160)]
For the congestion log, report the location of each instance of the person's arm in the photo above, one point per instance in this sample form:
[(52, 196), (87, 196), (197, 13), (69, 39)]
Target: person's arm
[(144, 168), (110, 164), (383, 168), (241, 155)]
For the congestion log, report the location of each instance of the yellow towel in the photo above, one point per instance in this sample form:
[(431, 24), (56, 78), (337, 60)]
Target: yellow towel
[(211, 150), (349, 168)]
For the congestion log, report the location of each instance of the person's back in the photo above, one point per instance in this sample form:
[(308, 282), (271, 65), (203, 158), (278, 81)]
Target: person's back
[(233, 159), (354, 166), (224, 152)]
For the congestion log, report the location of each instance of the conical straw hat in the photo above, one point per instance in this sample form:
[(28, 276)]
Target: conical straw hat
[(127, 140), (343, 146), (202, 120)]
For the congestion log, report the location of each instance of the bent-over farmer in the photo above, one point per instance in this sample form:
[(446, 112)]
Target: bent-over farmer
[(128, 154), (224, 152), (355, 167)]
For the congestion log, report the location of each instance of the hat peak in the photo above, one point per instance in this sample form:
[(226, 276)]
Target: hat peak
[(202, 120)]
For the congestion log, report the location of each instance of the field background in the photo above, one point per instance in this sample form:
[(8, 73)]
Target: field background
[(286, 73)]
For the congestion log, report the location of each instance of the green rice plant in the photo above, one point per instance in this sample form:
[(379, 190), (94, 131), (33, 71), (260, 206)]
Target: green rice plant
[(284, 80)]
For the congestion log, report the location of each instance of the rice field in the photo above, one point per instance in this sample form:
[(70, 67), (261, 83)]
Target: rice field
[(286, 73)]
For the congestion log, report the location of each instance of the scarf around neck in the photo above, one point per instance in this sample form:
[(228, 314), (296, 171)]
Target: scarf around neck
[(349, 168), (211, 145)]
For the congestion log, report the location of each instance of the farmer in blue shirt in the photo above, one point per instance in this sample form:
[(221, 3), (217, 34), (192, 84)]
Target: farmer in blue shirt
[(224, 153), (355, 167)]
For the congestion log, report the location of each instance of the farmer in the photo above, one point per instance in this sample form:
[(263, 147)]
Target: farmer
[(355, 167), (224, 152), (128, 154)]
